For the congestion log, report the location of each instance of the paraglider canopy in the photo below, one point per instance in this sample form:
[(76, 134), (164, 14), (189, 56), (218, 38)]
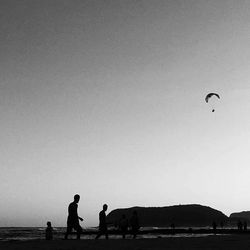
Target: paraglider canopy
[(208, 96)]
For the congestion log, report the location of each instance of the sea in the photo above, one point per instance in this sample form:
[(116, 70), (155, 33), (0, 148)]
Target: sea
[(38, 233)]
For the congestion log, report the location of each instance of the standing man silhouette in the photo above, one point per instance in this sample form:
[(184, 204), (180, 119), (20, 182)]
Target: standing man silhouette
[(134, 222), (73, 218), (102, 223)]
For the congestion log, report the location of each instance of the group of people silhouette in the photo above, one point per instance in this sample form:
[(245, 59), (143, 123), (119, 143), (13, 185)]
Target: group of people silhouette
[(73, 222), (242, 225)]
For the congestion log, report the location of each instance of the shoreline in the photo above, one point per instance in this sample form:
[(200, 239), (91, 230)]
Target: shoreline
[(168, 231), (227, 242)]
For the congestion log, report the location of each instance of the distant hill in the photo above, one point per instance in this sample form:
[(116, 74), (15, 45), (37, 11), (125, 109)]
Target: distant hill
[(244, 216), (180, 215)]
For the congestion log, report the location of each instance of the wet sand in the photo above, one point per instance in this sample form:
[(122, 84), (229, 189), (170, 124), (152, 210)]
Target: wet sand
[(227, 242)]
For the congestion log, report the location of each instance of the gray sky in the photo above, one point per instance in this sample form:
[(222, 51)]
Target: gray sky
[(106, 99)]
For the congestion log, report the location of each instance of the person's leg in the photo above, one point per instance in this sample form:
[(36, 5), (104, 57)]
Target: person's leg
[(78, 229), (106, 234), (68, 231), (98, 235), (135, 234), (134, 231)]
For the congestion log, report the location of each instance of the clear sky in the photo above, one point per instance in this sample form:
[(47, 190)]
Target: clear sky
[(106, 99)]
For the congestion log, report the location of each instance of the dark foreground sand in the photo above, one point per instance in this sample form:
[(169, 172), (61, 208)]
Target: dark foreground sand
[(227, 242)]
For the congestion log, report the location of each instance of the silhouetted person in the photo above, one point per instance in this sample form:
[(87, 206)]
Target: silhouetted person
[(245, 226), (49, 231), (124, 226), (134, 223), (173, 228), (214, 224), (73, 218), (239, 225), (103, 230)]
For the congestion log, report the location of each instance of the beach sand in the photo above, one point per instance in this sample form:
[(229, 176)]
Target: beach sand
[(226, 242)]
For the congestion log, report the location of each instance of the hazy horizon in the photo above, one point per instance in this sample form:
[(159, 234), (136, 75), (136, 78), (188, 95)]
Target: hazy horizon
[(106, 99)]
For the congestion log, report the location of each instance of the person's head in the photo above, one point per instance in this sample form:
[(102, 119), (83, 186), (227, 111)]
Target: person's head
[(76, 198), (49, 224), (105, 207)]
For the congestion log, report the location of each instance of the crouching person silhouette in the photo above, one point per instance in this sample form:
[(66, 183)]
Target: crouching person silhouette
[(49, 231), (73, 218)]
